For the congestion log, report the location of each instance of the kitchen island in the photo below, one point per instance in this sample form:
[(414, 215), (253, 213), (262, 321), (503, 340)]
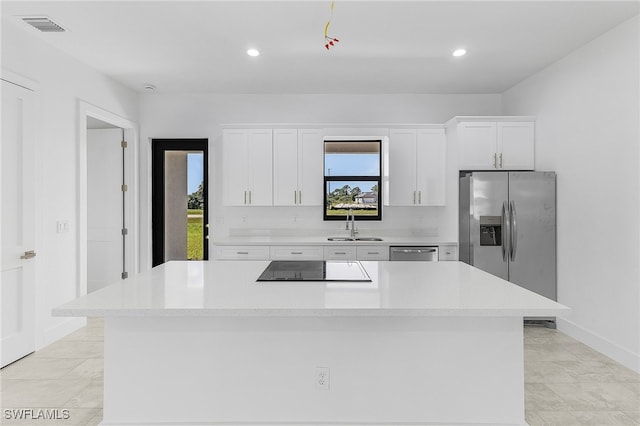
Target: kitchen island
[(193, 343)]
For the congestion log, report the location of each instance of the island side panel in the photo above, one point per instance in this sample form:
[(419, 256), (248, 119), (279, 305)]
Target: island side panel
[(258, 370)]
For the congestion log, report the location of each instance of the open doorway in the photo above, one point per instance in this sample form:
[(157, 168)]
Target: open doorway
[(179, 200)]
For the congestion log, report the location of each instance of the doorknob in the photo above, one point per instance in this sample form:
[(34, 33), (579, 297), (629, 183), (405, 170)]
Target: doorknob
[(30, 254)]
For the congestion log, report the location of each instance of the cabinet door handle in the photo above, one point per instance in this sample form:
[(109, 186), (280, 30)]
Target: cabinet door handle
[(30, 254), (245, 197), (495, 160), (242, 252), (419, 197), (299, 197), (295, 197), (340, 252), (249, 197), (500, 160), (414, 197), (373, 252)]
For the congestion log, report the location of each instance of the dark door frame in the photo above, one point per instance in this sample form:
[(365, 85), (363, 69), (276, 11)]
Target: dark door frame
[(158, 149)]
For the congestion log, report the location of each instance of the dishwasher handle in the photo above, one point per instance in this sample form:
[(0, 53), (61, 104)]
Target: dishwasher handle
[(431, 250)]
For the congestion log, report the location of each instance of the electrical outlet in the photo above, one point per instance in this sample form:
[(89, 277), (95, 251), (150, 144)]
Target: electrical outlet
[(322, 378), (244, 219)]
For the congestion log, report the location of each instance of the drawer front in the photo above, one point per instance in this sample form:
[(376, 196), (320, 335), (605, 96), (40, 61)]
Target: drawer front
[(448, 252), (339, 252), (372, 252), (242, 253), (296, 253)]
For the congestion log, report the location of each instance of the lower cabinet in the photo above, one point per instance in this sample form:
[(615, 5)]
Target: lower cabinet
[(297, 253), (241, 253), (448, 252), (339, 252), (372, 252)]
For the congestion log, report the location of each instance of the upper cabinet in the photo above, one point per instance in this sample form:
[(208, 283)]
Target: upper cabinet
[(493, 143), (297, 167), (247, 167), (415, 175)]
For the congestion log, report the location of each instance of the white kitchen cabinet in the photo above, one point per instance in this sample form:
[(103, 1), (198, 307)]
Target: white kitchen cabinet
[(247, 167), (490, 144), (448, 252), (241, 253), (377, 252), (297, 167), (342, 252), (297, 253), (416, 167)]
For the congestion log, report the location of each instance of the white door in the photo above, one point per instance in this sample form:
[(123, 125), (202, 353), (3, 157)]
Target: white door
[(260, 167), (104, 208), (310, 162), (430, 169), (516, 145), (17, 232), (235, 153), (285, 167), (477, 149), (402, 168)]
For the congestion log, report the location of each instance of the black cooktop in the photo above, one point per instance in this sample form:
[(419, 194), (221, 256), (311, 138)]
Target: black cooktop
[(314, 270)]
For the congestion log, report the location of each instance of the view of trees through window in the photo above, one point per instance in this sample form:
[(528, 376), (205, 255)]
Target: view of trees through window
[(195, 207), (352, 179)]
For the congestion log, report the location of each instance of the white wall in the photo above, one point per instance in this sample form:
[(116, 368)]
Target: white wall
[(587, 108), (201, 116), (63, 82)]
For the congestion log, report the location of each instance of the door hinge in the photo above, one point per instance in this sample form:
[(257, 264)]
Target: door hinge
[(125, 275), (123, 144), (125, 231), (124, 188)]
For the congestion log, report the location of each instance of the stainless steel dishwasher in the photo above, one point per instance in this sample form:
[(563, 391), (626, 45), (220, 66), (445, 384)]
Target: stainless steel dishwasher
[(414, 253)]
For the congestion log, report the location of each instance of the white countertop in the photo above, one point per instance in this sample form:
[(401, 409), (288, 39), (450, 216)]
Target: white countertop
[(229, 288)]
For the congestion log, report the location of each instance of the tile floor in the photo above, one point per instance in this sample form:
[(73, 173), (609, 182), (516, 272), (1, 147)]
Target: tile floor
[(566, 383)]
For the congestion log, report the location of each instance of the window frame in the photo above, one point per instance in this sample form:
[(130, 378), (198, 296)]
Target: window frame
[(377, 179)]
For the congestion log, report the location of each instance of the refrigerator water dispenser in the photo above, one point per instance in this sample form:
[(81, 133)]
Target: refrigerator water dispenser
[(490, 230)]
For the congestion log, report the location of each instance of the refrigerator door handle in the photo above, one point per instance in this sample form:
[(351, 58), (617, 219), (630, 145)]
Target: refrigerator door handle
[(505, 231), (514, 230)]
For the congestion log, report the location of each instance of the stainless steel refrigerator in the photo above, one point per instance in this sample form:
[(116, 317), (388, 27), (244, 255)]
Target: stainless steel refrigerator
[(508, 227)]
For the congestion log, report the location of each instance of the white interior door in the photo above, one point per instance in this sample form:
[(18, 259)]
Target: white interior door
[(104, 207), (17, 232)]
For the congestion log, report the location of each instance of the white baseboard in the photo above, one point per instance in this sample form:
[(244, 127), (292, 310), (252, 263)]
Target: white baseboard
[(62, 329), (601, 344)]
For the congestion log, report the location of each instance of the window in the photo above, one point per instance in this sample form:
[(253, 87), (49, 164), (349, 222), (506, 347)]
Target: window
[(352, 179)]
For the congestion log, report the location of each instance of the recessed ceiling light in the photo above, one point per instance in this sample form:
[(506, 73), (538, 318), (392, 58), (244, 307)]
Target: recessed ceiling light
[(459, 52), (253, 52)]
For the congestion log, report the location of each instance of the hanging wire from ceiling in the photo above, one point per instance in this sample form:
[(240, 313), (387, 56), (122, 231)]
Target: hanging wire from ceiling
[(329, 41)]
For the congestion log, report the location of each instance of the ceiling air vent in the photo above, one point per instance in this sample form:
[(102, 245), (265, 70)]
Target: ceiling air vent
[(44, 24)]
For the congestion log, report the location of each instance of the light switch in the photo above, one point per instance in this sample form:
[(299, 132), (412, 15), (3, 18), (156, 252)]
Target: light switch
[(62, 226)]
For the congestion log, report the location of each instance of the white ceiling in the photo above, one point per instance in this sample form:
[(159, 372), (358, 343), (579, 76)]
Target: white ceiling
[(385, 46)]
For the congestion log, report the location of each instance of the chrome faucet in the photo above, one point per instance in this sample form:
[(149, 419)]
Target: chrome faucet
[(353, 223)]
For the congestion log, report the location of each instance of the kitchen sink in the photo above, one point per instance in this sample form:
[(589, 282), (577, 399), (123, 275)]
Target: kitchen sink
[(368, 239)]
